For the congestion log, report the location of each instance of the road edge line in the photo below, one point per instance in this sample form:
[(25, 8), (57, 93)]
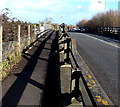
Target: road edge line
[(89, 72)]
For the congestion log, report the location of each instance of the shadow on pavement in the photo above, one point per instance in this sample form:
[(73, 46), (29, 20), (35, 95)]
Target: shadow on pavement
[(15, 92), (52, 96), (52, 91)]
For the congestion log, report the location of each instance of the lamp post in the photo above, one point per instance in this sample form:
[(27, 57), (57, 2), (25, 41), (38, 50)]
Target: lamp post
[(104, 7), (102, 3)]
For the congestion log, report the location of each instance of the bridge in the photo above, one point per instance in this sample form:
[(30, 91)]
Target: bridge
[(62, 69)]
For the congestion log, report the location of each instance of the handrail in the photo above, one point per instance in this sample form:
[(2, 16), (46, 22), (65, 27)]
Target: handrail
[(78, 87)]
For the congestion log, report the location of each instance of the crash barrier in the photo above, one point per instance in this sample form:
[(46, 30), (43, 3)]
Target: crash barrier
[(104, 30), (108, 30), (72, 81)]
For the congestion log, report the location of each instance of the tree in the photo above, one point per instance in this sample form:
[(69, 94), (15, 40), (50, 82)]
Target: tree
[(82, 23), (48, 20), (109, 18)]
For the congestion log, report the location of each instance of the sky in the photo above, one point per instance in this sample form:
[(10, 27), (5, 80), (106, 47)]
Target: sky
[(67, 11)]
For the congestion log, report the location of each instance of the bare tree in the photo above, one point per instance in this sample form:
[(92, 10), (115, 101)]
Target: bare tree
[(110, 18), (82, 23), (48, 20)]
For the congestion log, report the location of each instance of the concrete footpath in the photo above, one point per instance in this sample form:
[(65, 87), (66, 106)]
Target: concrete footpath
[(36, 79)]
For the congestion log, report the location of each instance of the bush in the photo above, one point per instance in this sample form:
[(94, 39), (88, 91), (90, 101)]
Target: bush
[(109, 19)]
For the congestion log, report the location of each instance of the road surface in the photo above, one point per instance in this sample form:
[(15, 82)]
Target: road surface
[(102, 59)]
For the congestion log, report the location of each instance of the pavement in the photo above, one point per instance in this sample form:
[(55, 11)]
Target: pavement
[(36, 79), (102, 59)]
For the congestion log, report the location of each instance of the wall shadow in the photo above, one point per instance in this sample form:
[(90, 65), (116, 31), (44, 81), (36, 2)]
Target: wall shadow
[(15, 92), (52, 90)]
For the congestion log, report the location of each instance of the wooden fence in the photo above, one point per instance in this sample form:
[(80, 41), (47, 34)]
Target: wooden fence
[(18, 41)]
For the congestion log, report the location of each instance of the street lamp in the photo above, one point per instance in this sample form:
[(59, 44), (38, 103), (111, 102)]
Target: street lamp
[(102, 3), (104, 7)]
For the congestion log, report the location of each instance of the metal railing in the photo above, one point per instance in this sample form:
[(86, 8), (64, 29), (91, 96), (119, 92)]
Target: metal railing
[(108, 30), (78, 87)]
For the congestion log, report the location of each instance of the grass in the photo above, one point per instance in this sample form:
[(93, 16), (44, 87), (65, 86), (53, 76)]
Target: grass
[(8, 64)]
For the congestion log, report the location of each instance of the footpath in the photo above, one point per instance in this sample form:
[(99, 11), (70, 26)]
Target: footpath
[(36, 79), (44, 78)]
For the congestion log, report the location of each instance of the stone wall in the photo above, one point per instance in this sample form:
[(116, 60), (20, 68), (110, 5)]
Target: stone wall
[(11, 47), (11, 51)]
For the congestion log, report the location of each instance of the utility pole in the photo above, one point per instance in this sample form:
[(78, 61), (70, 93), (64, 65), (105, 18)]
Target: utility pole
[(1, 30), (28, 34), (103, 2), (19, 47), (104, 8)]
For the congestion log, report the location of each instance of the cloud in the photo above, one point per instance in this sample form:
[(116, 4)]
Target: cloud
[(2, 3), (79, 6), (45, 6), (70, 10), (34, 3)]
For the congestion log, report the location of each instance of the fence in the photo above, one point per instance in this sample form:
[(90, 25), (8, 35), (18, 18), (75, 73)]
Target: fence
[(108, 30), (14, 38), (12, 42), (71, 76), (17, 41), (112, 32)]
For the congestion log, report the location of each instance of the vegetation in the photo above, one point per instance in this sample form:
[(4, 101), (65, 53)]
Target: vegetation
[(8, 63), (109, 19), (10, 33)]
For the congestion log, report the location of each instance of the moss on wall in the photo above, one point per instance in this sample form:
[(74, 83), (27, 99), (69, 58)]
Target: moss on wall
[(8, 63), (12, 59)]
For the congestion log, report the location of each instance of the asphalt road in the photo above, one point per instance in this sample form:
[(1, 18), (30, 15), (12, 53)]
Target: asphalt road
[(102, 59)]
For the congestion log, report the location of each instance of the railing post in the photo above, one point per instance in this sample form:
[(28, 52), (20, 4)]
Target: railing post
[(65, 68), (1, 31), (35, 29), (19, 46), (74, 46), (75, 83), (61, 47), (39, 27), (68, 49), (28, 34)]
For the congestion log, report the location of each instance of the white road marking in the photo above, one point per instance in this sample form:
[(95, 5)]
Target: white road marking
[(117, 46)]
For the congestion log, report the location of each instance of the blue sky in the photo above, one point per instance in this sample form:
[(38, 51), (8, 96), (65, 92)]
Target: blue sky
[(67, 11)]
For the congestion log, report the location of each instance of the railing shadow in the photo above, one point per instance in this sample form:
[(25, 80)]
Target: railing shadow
[(37, 39), (52, 91), (13, 95)]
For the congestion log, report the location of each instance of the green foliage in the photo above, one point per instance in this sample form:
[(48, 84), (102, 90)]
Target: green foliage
[(11, 61), (6, 65), (26, 44)]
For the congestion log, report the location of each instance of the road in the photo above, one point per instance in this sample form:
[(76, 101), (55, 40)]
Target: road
[(102, 60)]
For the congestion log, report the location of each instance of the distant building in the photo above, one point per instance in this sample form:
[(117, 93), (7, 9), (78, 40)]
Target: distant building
[(47, 26), (44, 26)]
